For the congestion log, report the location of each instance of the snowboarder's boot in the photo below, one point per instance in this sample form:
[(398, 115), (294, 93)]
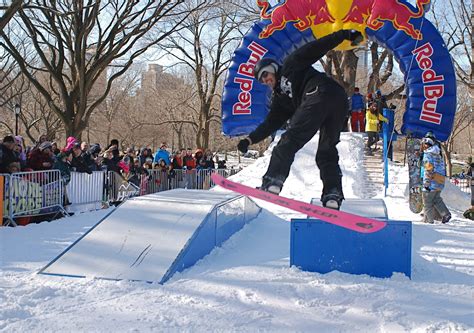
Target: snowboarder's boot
[(332, 199), (446, 218), (272, 185)]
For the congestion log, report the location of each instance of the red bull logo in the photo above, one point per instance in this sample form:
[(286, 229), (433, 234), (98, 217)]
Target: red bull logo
[(304, 14), (326, 16), (432, 92), (245, 81)]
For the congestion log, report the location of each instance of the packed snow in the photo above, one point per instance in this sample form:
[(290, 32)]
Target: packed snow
[(247, 285)]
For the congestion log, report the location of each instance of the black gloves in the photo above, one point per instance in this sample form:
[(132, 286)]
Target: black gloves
[(427, 189), (354, 36), (243, 145)]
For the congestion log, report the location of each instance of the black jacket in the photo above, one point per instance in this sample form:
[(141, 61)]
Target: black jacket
[(297, 77)]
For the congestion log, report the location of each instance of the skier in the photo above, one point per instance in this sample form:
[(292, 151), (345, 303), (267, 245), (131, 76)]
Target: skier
[(314, 102)]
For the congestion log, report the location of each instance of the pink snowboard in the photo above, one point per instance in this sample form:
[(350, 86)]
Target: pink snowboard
[(342, 219)]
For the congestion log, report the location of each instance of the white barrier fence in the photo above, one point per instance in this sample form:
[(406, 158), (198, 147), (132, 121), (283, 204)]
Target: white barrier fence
[(42, 192)]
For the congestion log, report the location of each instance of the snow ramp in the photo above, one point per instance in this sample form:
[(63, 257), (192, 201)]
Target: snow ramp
[(149, 238)]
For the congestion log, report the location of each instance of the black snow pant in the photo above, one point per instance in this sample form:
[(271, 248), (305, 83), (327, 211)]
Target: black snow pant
[(324, 110)]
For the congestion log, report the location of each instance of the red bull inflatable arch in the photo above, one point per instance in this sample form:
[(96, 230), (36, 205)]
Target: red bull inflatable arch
[(395, 24)]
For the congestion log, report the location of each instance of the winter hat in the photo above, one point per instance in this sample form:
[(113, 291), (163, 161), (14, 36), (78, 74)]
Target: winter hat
[(427, 141), (9, 138), (45, 145), (70, 143), (94, 149)]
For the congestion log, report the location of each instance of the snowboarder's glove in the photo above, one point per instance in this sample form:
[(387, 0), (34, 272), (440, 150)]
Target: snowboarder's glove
[(427, 189), (354, 36), (243, 145)]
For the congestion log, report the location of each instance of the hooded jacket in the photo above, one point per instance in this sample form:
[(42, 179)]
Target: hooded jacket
[(434, 169)]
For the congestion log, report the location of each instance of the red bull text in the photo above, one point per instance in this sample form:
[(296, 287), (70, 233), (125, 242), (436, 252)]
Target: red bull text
[(432, 92), (244, 104)]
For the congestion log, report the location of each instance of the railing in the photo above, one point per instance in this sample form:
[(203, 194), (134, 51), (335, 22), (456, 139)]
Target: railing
[(31, 194), (43, 192)]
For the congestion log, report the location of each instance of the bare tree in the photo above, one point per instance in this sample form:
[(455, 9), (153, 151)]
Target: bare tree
[(76, 41), (205, 47), (9, 12), (463, 121), (454, 20)]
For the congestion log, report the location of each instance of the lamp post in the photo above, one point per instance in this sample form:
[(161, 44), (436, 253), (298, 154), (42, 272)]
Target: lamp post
[(17, 114)]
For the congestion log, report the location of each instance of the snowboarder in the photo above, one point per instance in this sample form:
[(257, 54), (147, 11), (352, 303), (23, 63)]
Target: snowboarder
[(314, 102), (433, 182)]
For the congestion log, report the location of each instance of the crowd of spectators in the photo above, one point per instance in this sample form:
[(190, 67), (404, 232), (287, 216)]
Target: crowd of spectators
[(83, 157)]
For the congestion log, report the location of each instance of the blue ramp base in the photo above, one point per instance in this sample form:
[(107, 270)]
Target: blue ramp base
[(317, 246)]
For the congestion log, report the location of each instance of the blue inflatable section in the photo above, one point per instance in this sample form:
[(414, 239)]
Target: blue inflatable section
[(245, 101), (429, 76), (426, 63)]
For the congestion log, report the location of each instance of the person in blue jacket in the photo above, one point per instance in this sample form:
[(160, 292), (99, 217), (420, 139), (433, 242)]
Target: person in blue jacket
[(357, 111), (163, 154), (433, 182)]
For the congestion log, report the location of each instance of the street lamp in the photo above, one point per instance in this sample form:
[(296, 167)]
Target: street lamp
[(17, 114)]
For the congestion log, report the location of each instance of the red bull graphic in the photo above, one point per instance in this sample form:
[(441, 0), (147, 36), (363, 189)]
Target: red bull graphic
[(244, 101), (432, 92), (398, 13), (304, 14), (360, 14), (395, 24)]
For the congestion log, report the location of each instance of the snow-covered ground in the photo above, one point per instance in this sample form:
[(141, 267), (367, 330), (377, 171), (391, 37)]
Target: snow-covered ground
[(247, 284)]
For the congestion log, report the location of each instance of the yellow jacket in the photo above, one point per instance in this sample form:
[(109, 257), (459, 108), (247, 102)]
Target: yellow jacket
[(372, 121)]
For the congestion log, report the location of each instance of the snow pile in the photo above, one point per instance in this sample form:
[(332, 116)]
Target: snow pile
[(246, 285)]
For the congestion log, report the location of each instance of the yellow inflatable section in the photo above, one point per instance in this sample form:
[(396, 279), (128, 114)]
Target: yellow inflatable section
[(345, 17)]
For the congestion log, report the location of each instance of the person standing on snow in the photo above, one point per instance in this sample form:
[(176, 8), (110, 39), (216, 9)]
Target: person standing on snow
[(433, 182), (314, 102), (357, 111)]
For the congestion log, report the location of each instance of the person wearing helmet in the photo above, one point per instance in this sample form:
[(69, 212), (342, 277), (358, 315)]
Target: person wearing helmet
[(433, 182), (313, 102)]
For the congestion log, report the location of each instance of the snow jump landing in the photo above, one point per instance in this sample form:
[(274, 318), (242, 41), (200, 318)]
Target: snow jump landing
[(149, 238)]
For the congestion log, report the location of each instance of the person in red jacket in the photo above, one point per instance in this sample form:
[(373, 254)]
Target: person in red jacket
[(41, 158), (189, 164)]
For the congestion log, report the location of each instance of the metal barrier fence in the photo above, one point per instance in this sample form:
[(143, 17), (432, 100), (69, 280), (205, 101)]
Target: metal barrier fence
[(464, 184), (43, 192), (31, 194)]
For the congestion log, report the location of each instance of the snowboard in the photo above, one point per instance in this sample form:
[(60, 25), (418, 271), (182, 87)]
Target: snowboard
[(342, 219), (414, 171)]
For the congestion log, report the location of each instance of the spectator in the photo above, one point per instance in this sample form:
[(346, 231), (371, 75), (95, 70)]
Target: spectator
[(144, 154), (381, 101), (162, 153), (20, 150), (371, 126), (207, 161), (148, 163), (111, 159), (41, 158), (70, 142), (84, 146), (63, 164), (78, 163), (55, 148), (357, 111), (91, 157), (13, 167), (433, 183), (42, 138), (198, 154), (189, 163), (221, 164), (7, 154)]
